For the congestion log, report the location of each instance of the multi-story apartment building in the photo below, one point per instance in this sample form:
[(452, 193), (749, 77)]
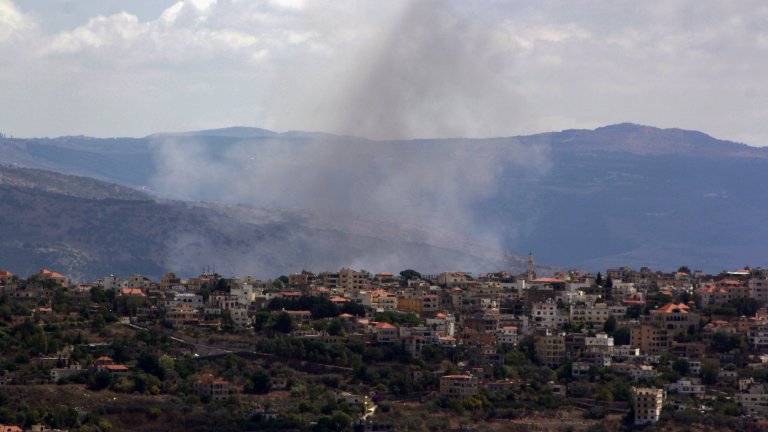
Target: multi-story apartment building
[(458, 385), (650, 339), (351, 280), (757, 334), (648, 403), (753, 400), (549, 348), (758, 285), (596, 314), (545, 314), (598, 349)]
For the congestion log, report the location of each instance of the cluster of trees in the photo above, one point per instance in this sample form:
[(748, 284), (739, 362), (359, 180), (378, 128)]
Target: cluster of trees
[(397, 318), (742, 306), (321, 307), (15, 412)]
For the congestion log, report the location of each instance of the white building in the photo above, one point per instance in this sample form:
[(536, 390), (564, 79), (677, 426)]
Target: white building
[(754, 401), (193, 301), (507, 335), (685, 387), (545, 314)]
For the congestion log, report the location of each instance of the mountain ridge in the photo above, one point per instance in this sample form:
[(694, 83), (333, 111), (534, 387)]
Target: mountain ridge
[(622, 194)]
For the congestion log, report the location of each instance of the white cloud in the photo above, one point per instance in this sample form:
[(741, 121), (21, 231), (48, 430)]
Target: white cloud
[(292, 64), (12, 20)]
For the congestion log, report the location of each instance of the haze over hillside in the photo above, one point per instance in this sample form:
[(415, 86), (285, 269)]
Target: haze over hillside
[(88, 229), (618, 195)]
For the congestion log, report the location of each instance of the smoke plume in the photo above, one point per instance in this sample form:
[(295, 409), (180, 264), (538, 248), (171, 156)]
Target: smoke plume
[(434, 73)]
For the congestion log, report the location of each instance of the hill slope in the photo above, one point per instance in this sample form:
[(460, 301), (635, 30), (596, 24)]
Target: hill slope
[(89, 229), (618, 195)]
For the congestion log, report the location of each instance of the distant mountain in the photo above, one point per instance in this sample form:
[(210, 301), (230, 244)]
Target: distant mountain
[(623, 194), (88, 229), (230, 132), (646, 140)]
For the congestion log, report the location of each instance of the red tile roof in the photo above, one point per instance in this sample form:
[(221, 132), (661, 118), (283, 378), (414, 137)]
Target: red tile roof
[(51, 274), (673, 308), (116, 368), (134, 292), (384, 325)]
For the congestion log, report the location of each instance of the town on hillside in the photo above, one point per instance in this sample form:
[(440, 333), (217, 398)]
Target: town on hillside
[(625, 349)]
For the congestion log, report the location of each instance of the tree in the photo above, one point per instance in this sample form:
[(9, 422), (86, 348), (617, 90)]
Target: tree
[(410, 274), (222, 285), (259, 383), (609, 282), (283, 323), (150, 364), (709, 373), (167, 366), (681, 366), (746, 306), (599, 279), (335, 328), (621, 336), (722, 343), (684, 269), (610, 325)]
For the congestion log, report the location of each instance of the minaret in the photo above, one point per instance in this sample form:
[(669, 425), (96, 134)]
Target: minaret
[(531, 274)]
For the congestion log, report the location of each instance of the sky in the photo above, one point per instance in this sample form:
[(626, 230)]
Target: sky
[(446, 68)]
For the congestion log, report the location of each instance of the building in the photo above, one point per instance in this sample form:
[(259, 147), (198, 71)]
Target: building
[(353, 399), (685, 387), (458, 385), (58, 374), (649, 339), (215, 390), (507, 335), (51, 276), (753, 400), (546, 314), (386, 333), (647, 403), (598, 349), (351, 280), (549, 348), (675, 318), (757, 335)]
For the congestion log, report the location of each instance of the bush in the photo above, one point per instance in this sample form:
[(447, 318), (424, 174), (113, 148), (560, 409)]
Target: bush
[(154, 413), (595, 413)]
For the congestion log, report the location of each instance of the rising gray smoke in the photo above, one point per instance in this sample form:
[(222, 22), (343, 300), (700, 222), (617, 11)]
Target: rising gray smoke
[(433, 74)]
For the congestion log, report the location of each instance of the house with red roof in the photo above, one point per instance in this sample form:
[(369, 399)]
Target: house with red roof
[(214, 389), (131, 292), (385, 333), (107, 364), (5, 277), (675, 318), (721, 292), (49, 275)]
